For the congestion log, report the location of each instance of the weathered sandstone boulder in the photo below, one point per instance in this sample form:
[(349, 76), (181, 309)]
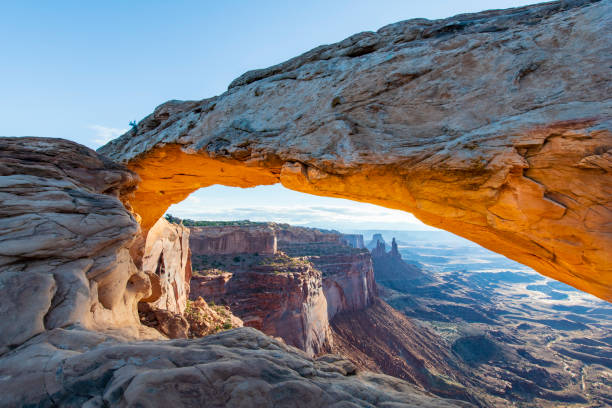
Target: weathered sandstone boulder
[(173, 325), (64, 239), (237, 368), (495, 126), (167, 262)]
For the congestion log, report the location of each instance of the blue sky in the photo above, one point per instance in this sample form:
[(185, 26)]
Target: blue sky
[(82, 70)]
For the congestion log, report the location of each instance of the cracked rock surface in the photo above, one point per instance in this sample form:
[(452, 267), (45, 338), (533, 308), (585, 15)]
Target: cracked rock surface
[(495, 126), (237, 368)]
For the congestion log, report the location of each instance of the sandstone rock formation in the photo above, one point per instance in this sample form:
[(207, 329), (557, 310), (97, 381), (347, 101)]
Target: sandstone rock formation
[(291, 234), (69, 292), (239, 368), (279, 295), (348, 274), (173, 325), (167, 262), (64, 244), (291, 295), (495, 126), (205, 319), (375, 241), (390, 269)]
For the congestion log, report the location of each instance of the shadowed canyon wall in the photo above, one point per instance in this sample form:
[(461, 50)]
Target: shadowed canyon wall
[(495, 126)]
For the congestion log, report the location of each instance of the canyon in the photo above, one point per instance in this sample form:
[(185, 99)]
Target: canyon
[(318, 293), (493, 125), (291, 292), (522, 339), (452, 330)]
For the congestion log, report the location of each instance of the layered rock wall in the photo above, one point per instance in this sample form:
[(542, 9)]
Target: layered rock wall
[(348, 274), (292, 234), (352, 288), (495, 126), (232, 240), (285, 302)]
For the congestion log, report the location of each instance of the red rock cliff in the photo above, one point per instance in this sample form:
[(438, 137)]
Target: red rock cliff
[(348, 274), (279, 295), (232, 240)]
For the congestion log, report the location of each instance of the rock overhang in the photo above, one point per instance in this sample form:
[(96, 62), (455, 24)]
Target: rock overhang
[(495, 126)]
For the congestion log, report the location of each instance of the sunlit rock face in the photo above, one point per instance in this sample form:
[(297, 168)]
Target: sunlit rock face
[(495, 126), (167, 262), (314, 275), (64, 257)]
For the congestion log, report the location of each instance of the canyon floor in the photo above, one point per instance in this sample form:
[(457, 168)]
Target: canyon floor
[(527, 341)]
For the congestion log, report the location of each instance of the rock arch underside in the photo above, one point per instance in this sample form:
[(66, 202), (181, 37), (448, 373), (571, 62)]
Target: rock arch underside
[(494, 126)]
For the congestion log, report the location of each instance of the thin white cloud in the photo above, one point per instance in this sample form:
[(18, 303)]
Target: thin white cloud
[(105, 134), (322, 216), (278, 204)]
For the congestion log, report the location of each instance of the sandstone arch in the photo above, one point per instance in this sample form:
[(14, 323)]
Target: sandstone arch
[(495, 126)]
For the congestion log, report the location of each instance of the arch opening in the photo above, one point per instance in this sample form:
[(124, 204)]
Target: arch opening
[(466, 204)]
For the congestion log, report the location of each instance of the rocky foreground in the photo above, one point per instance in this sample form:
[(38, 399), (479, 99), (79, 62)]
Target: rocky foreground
[(237, 368)]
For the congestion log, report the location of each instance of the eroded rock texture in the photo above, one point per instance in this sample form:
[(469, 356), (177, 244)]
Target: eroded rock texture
[(347, 273), (237, 368), (68, 298), (278, 295), (167, 262), (494, 126), (291, 294), (64, 240)]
